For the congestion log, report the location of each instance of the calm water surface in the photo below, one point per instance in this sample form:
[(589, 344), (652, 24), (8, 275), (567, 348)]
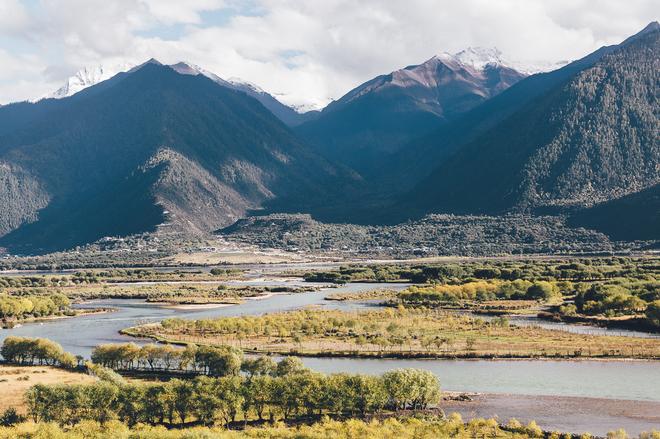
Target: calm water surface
[(617, 380)]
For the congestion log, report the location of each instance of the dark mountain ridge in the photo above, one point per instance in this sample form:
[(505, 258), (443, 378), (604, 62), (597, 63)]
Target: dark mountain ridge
[(385, 113), (202, 153)]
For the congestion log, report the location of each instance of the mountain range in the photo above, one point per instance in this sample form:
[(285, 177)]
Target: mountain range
[(150, 147), (588, 139), (384, 114), (89, 76), (179, 149)]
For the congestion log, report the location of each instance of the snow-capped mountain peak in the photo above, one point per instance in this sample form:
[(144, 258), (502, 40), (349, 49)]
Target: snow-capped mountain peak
[(475, 57), (87, 77), (478, 58), (186, 68)]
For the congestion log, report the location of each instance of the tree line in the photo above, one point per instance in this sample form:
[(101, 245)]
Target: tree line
[(36, 351), (20, 307), (577, 270), (291, 394), (206, 360)]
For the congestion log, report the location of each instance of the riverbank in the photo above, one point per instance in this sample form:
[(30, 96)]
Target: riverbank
[(80, 312), (560, 413), (629, 323)]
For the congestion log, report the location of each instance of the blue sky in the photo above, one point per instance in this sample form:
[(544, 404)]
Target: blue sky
[(306, 52)]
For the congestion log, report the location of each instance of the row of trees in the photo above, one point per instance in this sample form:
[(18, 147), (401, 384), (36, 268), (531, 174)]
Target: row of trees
[(203, 360), (206, 400), (36, 351), (207, 360), (18, 307), (580, 270)]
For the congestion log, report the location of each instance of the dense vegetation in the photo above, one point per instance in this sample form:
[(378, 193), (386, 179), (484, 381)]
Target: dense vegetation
[(397, 332), (33, 351), (433, 235), (295, 394), (589, 139), (481, 291), (560, 269), (430, 427), (26, 306), (594, 287)]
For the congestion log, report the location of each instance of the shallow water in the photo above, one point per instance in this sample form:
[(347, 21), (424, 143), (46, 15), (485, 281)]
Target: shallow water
[(80, 334), (634, 380), (630, 380)]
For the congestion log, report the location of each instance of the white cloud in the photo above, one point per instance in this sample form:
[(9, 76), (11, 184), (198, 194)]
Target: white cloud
[(13, 16), (177, 11), (311, 51)]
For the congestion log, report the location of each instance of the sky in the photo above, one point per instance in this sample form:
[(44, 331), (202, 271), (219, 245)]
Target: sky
[(305, 52)]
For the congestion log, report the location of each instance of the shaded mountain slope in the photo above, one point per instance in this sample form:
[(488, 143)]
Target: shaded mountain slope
[(417, 160), (381, 115), (151, 137), (629, 218)]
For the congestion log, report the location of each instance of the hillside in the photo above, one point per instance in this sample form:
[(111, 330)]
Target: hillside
[(144, 147), (433, 235), (588, 140), (629, 218)]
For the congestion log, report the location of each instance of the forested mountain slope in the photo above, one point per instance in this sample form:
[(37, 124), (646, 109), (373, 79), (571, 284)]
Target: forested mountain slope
[(144, 147), (590, 139), (629, 218)]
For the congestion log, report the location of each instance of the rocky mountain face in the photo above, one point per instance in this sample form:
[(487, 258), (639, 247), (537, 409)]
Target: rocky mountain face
[(381, 115), (148, 148), (590, 139)]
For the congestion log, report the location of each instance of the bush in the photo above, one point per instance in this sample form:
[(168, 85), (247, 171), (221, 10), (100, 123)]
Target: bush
[(11, 417)]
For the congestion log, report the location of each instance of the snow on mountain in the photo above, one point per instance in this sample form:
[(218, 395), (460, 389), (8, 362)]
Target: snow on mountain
[(479, 57), (186, 68), (93, 75), (242, 84), (290, 115), (87, 77), (476, 57)]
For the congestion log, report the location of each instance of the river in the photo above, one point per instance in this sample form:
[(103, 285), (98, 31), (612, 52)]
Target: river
[(583, 381)]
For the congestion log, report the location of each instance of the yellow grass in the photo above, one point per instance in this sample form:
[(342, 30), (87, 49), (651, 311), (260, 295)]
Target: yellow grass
[(13, 383), (426, 333)]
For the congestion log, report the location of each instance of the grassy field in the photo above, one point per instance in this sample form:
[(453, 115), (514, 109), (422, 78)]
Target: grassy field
[(15, 380), (395, 333)]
